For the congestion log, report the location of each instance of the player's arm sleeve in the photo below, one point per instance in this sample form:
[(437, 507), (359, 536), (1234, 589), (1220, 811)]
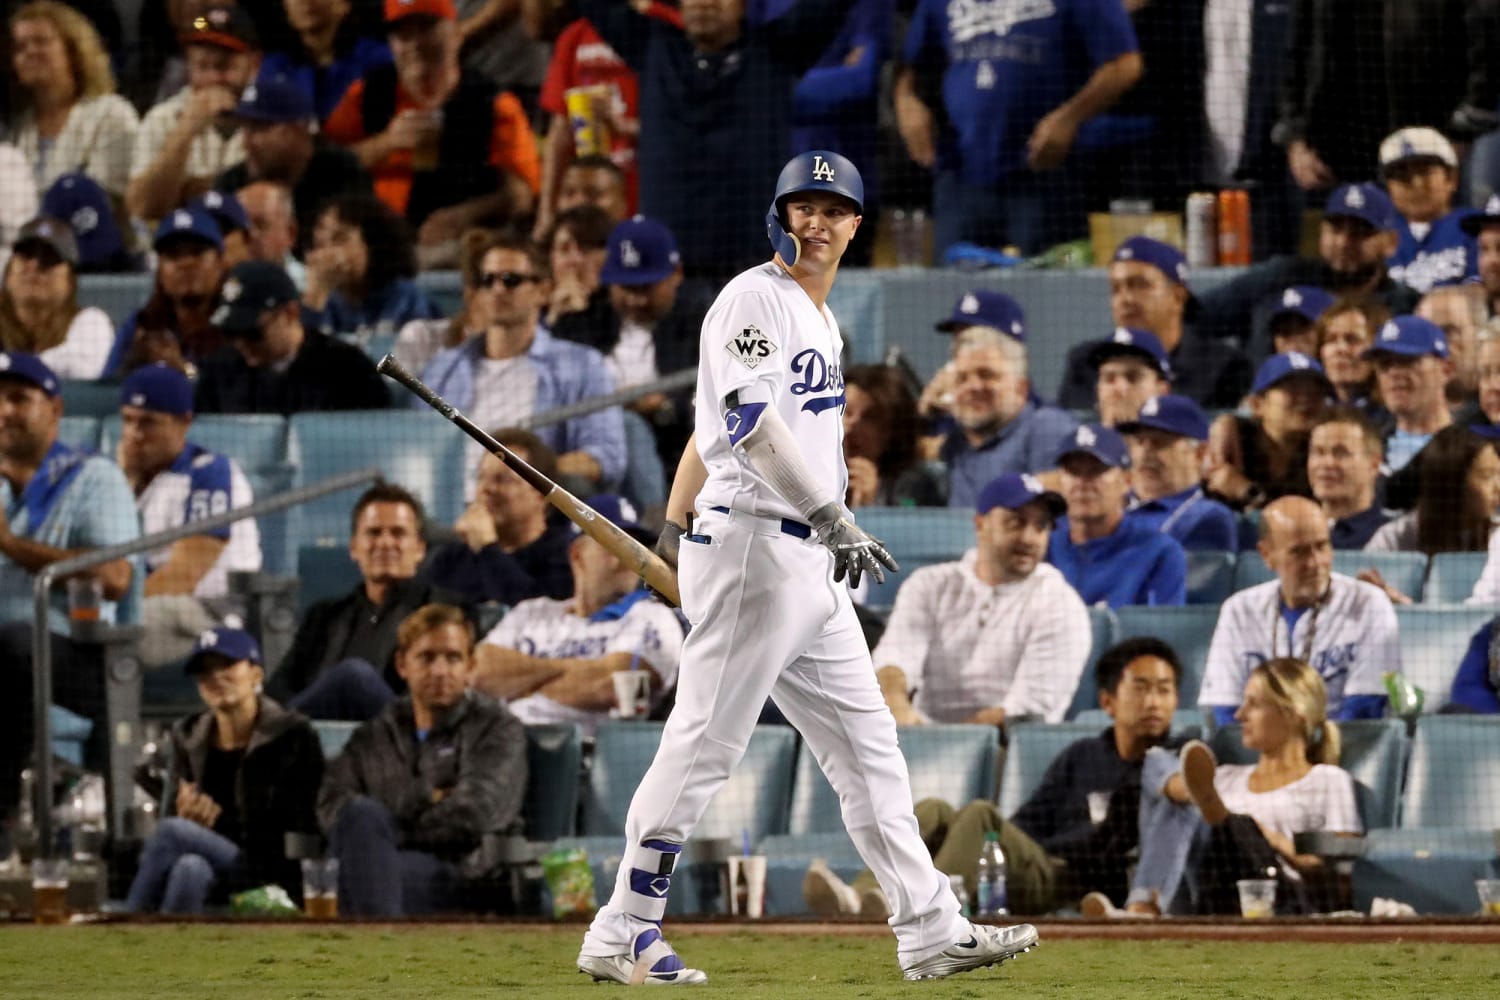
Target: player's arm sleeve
[(1486, 591), (1223, 680), (909, 632), (756, 428), (1167, 586), (1057, 647), (1474, 687)]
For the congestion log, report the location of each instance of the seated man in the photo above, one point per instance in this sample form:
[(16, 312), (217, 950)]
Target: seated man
[(234, 225), (1412, 369), (1344, 628), (174, 324), (272, 233), (995, 635), (1133, 368), (176, 483), (1476, 686), (1343, 467), (341, 664), (1420, 168), (1484, 227), (1253, 460), (999, 429), (985, 307), (1108, 558), (1294, 319), (1459, 311), (1168, 442), (274, 364), (509, 549), (1076, 831), (59, 502), (408, 803), (588, 180), (554, 660)]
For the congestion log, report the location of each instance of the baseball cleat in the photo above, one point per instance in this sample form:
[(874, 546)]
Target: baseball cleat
[(650, 962), (826, 894), (985, 946)]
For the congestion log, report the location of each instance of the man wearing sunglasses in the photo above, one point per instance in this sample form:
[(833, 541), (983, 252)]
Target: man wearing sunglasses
[(275, 364)]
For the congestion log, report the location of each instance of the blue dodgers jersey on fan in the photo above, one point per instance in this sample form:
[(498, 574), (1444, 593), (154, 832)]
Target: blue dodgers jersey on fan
[(208, 485), (1445, 256), (1134, 564), (1010, 62)]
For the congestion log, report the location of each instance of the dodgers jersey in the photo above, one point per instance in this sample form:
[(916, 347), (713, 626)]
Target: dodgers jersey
[(1354, 641), (764, 338), (198, 484), (1442, 255), (648, 631)]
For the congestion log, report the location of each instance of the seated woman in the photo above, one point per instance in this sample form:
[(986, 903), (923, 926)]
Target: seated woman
[(1344, 331), (1205, 825), (39, 311), (1457, 497), (575, 250), (880, 442), (360, 270), (247, 774)]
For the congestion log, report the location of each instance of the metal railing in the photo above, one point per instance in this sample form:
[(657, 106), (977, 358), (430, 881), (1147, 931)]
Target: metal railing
[(49, 575), (684, 379)]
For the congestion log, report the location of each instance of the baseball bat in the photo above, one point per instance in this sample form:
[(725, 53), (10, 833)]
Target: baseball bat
[(645, 563)]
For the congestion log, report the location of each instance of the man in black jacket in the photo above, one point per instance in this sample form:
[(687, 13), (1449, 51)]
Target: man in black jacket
[(407, 804), (342, 661)]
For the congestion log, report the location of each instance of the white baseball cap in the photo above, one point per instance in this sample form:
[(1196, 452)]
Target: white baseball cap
[(1417, 143)]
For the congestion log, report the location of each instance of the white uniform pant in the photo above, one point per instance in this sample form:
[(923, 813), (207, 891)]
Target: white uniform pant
[(769, 620)]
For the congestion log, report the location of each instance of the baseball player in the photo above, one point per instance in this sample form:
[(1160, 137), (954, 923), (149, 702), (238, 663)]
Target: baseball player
[(761, 572)]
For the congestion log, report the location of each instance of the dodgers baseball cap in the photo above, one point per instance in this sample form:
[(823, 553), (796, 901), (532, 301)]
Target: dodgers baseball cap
[(1291, 364), (1163, 256), (54, 234), (1015, 490), (83, 204), (986, 307), (640, 251), (1410, 336), (253, 288), (234, 644), (28, 368), (1365, 202), (400, 10), (224, 209), (621, 513), (1307, 301), (226, 27), (1488, 216), (1417, 143), (273, 98), (159, 388), (1173, 414), (191, 223), (1099, 442), (1130, 342)]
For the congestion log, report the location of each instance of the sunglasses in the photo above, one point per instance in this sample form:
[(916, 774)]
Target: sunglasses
[(510, 279)]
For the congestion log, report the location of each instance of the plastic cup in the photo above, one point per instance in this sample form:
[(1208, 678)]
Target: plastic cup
[(747, 883), (1489, 896), (85, 598), (1098, 807), (320, 888), (49, 890), (632, 694), (1257, 898)]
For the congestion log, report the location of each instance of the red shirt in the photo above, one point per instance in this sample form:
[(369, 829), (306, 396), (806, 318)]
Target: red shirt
[(581, 58)]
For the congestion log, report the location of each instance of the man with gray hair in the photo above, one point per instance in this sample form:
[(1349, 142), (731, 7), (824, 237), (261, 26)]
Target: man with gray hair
[(1459, 311), (999, 428)]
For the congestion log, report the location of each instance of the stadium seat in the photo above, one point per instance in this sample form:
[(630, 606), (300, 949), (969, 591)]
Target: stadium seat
[(119, 295), (917, 537), (1433, 870), (90, 399), (325, 571), (1402, 570), (333, 735), (416, 449), (1454, 776), (1451, 577), (554, 756), (445, 289), (80, 432), (645, 483), (1104, 628), (1210, 577), (1032, 748), (1188, 630), (1433, 643)]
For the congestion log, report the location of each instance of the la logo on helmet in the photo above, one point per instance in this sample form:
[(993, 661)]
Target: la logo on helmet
[(822, 170)]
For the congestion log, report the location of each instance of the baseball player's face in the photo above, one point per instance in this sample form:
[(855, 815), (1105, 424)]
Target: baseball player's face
[(505, 495), (1489, 259), (1142, 296), (1289, 407), (1411, 386), (1489, 379), (149, 440), (436, 667), (387, 543), (1483, 481), (1266, 726), (1353, 249), (824, 224), (1143, 702), (1015, 539), (1341, 466), (1422, 191), (1094, 491), (1124, 385), (1297, 548), (1162, 464), (989, 389), (1345, 336)]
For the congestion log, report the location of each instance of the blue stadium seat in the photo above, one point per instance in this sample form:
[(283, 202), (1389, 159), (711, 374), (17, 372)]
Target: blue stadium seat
[(1402, 570), (1188, 630), (917, 537), (119, 295), (1105, 631), (1433, 870), (1452, 576), (80, 432), (1454, 776), (90, 399), (417, 449), (333, 735), (1032, 748), (325, 571), (554, 756), (1210, 577), (445, 289), (1433, 643)]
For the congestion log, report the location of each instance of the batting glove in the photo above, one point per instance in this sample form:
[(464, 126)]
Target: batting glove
[(855, 551)]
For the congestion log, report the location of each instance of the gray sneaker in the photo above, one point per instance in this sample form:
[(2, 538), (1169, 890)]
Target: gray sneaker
[(650, 962), (985, 946)]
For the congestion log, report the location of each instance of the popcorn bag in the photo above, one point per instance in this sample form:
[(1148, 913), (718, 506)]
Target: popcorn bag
[(570, 880)]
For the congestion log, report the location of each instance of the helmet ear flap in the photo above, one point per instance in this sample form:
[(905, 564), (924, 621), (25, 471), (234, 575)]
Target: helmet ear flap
[(787, 246)]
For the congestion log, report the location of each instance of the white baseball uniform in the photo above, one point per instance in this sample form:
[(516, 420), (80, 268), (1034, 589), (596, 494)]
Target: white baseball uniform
[(965, 645), (768, 619), (1351, 641), (646, 630)]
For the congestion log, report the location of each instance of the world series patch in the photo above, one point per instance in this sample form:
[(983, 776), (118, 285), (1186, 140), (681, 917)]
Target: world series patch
[(750, 347)]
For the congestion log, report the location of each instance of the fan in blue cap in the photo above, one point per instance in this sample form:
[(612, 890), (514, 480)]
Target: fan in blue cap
[(1412, 368), (1261, 457), (1168, 441), (1294, 318), (1132, 367)]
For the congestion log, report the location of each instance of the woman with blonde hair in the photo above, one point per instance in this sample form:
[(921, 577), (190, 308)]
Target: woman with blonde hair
[(69, 115), (1204, 825)]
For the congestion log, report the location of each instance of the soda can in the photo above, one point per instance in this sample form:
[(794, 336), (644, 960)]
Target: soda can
[(1202, 230), (1234, 228), (590, 134)]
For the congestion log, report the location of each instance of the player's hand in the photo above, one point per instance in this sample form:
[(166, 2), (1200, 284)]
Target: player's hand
[(855, 552), (914, 121), (670, 543), (1051, 140), (864, 481), (1308, 168)]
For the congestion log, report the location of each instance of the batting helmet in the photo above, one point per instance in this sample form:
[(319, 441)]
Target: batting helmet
[(815, 170)]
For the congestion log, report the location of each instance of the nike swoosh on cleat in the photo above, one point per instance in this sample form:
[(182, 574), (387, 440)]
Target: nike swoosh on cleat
[(973, 942)]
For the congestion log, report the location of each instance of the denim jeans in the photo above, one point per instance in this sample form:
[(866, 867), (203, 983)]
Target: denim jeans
[(180, 865), (379, 879), (1172, 834), (348, 691)]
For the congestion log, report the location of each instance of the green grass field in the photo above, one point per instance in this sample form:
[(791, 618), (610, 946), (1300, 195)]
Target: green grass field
[(254, 962)]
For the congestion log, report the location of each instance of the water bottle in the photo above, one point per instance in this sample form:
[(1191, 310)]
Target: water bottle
[(992, 901)]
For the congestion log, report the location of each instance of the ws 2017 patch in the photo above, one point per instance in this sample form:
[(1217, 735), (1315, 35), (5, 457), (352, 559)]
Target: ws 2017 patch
[(750, 347)]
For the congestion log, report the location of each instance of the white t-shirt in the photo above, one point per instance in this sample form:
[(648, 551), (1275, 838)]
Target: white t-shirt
[(1354, 641), (966, 645), (1487, 588), (97, 139), (199, 484), (647, 630), (18, 197), (1321, 801), (85, 350), (633, 361), (209, 154), (504, 396), (765, 338)]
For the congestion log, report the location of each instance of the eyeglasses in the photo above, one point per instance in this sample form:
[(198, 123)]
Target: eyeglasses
[(510, 279)]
